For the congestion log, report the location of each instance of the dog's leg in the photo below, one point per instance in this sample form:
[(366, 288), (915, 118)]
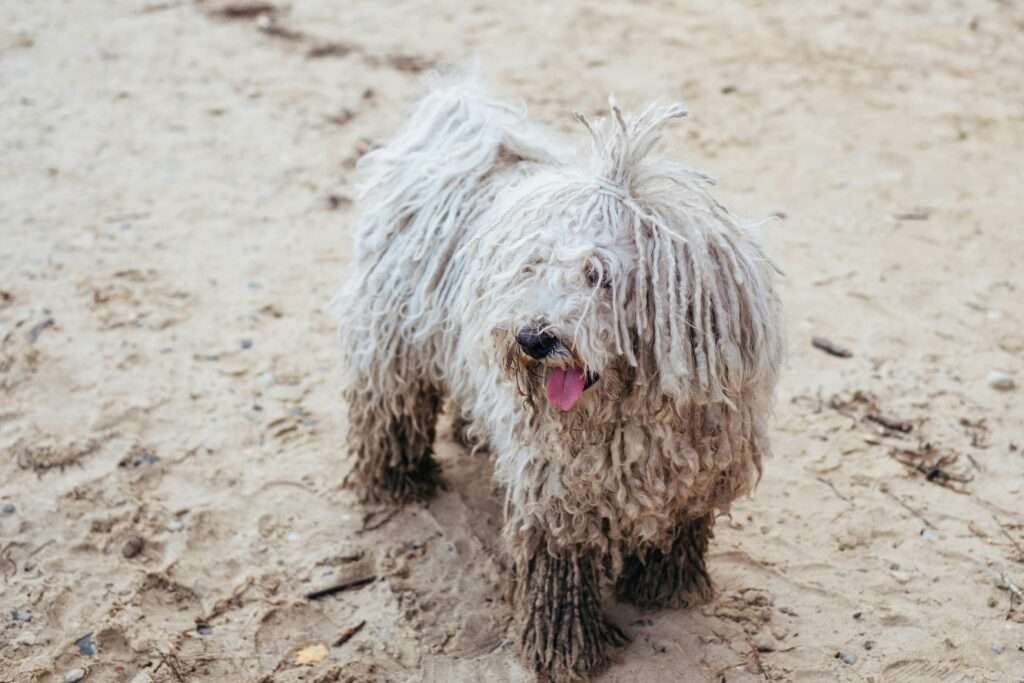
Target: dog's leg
[(678, 578), (391, 437), (565, 636)]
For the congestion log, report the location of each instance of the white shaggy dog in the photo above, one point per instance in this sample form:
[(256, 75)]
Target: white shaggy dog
[(604, 326)]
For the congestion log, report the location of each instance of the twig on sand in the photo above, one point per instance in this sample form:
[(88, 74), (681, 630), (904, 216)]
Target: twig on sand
[(169, 660), (349, 633), (893, 423), (828, 482), (754, 659), (244, 10), (377, 523), (935, 471), (350, 584), (908, 508), (831, 348), (1011, 539), (1014, 589)]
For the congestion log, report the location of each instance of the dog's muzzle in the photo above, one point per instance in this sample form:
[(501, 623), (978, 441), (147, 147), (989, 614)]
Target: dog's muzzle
[(541, 345), (536, 344)]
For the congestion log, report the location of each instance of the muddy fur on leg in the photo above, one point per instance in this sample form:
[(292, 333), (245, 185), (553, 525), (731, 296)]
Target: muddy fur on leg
[(391, 437), (678, 578), (564, 635)]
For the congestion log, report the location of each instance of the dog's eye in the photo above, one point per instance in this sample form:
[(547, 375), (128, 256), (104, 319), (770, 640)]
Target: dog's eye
[(597, 276)]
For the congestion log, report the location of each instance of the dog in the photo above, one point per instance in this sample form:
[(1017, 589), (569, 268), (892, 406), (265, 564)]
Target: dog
[(607, 330)]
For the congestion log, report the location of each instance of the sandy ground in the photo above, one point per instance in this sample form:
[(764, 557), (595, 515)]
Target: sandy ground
[(175, 205)]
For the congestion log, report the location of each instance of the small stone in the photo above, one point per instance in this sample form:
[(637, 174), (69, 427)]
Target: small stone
[(1001, 381), (858, 615), (74, 676), (21, 614), (86, 646), (764, 643), (901, 577), (8, 509), (929, 535), (175, 525), (292, 537), (998, 648), (204, 630), (846, 658), (132, 547), (869, 645), (246, 343)]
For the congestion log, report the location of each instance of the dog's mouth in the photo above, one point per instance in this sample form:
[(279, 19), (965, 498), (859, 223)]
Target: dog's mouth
[(565, 385)]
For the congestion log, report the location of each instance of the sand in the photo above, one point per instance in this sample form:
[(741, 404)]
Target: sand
[(176, 186)]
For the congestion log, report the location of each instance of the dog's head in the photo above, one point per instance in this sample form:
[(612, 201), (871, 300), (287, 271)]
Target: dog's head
[(621, 284)]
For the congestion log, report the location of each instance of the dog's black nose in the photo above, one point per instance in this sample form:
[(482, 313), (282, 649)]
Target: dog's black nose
[(536, 344)]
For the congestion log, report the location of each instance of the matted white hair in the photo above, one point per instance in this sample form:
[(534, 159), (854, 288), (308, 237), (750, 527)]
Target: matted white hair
[(478, 226)]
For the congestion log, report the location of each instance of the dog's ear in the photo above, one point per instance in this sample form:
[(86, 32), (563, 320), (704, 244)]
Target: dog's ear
[(708, 316), (707, 327)]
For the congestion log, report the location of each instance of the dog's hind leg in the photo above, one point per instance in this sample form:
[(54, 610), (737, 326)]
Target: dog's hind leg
[(677, 578), (565, 635), (391, 436)]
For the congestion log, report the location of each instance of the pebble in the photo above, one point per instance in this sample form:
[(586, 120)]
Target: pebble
[(292, 537), (74, 676), (8, 509), (1001, 381), (132, 547), (22, 614), (204, 630), (869, 645), (901, 577), (86, 646), (846, 658), (247, 343), (998, 648), (175, 525)]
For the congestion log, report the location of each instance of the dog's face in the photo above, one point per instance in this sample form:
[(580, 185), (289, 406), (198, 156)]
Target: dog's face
[(559, 306), (622, 288)]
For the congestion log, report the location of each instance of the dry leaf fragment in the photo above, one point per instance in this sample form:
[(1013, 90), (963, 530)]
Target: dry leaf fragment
[(311, 654)]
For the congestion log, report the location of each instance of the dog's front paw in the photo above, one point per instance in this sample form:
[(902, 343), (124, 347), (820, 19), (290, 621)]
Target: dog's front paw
[(565, 636), (575, 651), (663, 582), (677, 578)]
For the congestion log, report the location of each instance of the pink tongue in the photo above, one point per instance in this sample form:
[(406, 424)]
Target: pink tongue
[(565, 386)]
